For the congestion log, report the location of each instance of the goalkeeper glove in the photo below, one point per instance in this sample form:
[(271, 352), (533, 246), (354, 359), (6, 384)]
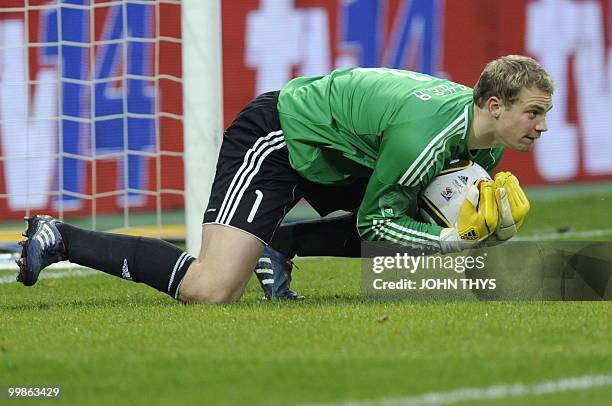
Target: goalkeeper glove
[(512, 204), (477, 220)]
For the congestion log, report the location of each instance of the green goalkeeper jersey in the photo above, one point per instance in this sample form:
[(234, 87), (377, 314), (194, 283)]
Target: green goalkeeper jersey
[(399, 128)]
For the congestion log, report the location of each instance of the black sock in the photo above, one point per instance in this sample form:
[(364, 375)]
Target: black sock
[(154, 262), (335, 237)]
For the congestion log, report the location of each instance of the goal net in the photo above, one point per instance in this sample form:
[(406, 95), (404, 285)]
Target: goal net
[(91, 115)]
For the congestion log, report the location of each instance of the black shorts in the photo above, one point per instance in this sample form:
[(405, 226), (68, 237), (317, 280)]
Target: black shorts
[(255, 185)]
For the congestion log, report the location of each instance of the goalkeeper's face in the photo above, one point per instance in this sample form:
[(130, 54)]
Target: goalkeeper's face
[(523, 122)]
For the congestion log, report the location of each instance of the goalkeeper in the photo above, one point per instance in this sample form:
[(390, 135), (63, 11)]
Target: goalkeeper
[(365, 140)]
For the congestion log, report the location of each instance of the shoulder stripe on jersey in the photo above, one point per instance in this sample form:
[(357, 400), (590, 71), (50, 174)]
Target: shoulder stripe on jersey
[(452, 126), (431, 158), (459, 124), (466, 118), (423, 171)]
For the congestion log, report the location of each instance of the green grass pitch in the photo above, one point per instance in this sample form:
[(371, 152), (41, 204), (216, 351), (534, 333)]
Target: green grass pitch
[(106, 341)]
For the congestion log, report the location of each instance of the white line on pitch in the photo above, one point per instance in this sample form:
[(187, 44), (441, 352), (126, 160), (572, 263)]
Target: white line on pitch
[(569, 234), (7, 263), (538, 237), (489, 392), (53, 275)]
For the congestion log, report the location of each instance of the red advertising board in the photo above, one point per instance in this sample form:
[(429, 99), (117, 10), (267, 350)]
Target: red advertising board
[(85, 113), (267, 42)]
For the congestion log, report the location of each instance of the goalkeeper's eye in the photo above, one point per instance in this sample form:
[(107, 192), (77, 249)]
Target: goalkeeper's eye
[(532, 113)]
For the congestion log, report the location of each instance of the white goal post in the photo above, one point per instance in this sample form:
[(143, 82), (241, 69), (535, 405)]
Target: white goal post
[(202, 108)]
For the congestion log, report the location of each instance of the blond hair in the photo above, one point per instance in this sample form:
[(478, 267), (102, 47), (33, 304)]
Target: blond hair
[(505, 76)]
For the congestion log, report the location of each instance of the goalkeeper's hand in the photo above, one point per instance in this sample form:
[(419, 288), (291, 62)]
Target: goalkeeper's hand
[(478, 219), (512, 204)]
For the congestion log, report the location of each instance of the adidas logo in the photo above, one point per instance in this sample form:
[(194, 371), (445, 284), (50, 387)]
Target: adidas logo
[(125, 273), (463, 179), (45, 236), (469, 235)]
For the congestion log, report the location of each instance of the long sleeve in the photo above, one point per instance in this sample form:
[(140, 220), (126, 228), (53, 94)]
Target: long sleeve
[(383, 216), (410, 155)]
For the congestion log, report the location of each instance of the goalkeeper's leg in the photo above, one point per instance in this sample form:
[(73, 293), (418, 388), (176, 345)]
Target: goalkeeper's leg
[(337, 237), (222, 271), (215, 277), (154, 262), (334, 237), (254, 187)]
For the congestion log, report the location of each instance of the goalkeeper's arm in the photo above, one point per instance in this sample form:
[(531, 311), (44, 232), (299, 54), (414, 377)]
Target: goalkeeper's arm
[(381, 218)]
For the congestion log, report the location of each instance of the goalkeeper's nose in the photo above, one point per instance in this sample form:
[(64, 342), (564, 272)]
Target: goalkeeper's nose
[(541, 126)]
